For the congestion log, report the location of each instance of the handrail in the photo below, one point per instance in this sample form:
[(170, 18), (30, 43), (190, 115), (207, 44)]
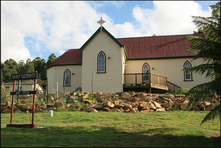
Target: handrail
[(174, 87), (144, 78)]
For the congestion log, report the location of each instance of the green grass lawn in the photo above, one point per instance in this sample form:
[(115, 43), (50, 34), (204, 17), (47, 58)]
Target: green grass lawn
[(111, 129)]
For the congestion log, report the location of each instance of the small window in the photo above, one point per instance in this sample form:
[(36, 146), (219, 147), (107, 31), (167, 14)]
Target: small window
[(101, 62), (187, 74), (146, 71), (67, 78), (7, 87)]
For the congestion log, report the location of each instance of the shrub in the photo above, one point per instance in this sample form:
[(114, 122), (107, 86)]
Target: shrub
[(182, 91), (5, 94)]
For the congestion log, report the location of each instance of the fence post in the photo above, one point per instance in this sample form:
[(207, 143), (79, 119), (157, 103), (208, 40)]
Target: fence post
[(57, 89)]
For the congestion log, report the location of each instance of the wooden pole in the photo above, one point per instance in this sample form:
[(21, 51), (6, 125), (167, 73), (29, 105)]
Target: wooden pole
[(33, 111), (13, 97)]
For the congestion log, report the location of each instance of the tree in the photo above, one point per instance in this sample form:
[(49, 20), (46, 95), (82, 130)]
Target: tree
[(7, 68), (29, 66), (209, 49), (51, 59)]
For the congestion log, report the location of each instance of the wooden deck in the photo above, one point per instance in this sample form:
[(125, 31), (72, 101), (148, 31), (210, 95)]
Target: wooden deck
[(145, 82)]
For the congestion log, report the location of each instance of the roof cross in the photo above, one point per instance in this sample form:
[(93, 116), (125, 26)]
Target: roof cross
[(101, 21)]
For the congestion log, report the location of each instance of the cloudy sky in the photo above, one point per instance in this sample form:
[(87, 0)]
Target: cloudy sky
[(38, 29)]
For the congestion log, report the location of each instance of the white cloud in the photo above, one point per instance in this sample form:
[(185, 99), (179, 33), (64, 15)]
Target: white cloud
[(169, 17), (57, 26)]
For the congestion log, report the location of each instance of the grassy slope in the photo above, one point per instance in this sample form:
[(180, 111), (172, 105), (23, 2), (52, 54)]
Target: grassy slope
[(111, 129)]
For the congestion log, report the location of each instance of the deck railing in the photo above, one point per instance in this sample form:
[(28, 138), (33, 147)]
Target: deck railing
[(134, 79)]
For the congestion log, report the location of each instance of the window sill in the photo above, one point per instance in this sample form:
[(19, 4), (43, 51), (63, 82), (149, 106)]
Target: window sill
[(67, 86), (187, 80), (101, 72)]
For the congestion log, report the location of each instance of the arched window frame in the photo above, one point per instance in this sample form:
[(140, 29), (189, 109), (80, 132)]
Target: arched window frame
[(187, 72), (67, 71), (98, 56), (145, 77)]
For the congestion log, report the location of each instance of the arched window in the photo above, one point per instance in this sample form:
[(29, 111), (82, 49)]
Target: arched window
[(101, 62), (146, 72), (187, 74), (67, 78)]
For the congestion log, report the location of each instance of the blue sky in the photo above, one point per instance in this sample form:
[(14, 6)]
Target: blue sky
[(38, 28)]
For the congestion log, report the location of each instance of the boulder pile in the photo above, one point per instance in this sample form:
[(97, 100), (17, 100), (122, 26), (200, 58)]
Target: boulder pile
[(117, 102)]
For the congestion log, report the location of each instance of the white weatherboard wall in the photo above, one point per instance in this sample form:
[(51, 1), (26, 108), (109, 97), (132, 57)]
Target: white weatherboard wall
[(171, 68), (56, 74), (111, 81)]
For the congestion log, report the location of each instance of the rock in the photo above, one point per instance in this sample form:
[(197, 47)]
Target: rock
[(51, 98), (144, 111), (211, 107), (23, 101), (99, 96), (145, 108), (85, 96), (183, 106), (106, 108), (59, 104), (171, 103), (28, 106), (114, 110), (108, 104), (119, 93), (196, 108), (206, 103), (134, 110), (98, 106), (127, 106), (121, 109), (7, 104), (50, 104), (143, 104), (135, 99), (17, 110), (142, 94), (125, 98), (20, 105), (126, 95), (157, 104), (106, 95), (152, 106), (67, 105), (166, 104), (43, 106), (160, 109), (115, 96), (90, 109), (116, 103), (6, 110), (202, 107), (169, 108), (120, 105)]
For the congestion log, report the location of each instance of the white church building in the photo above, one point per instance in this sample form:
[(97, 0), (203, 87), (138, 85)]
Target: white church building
[(108, 64)]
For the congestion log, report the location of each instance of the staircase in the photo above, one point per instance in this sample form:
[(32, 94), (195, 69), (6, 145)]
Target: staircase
[(172, 88)]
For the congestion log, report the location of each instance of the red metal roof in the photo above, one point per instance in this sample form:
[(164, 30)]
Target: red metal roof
[(157, 46), (170, 46), (71, 56)]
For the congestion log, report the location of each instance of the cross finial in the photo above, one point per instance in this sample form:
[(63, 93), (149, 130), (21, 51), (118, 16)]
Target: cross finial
[(101, 21)]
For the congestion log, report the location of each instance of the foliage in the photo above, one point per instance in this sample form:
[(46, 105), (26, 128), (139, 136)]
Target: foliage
[(182, 90), (209, 49), (10, 66), (5, 94), (51, 59)]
